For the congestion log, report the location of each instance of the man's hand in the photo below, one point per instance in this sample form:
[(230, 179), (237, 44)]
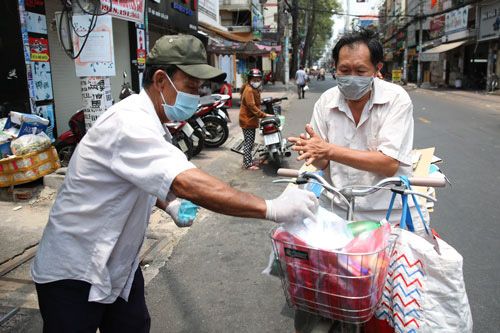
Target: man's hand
[(310, 146), (293, 205)]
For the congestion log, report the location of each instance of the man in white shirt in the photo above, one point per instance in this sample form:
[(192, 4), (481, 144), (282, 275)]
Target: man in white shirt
[(362, 130), (86, 269)]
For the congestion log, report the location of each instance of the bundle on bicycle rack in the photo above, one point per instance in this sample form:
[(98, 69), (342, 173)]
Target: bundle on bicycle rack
[(344, 284)]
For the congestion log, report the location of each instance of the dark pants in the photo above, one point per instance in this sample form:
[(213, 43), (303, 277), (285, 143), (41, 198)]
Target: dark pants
[(300, 90), (64, 307)]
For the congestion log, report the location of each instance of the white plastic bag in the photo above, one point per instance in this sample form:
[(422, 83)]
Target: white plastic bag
[(30, 143), (306, 87), (425, 291)]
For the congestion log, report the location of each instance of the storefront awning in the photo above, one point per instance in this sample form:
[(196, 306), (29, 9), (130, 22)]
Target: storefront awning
[(235, 37), (444, 47)]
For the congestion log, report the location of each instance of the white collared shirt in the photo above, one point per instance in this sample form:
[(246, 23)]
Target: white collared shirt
[(386, 125), (98, 222)]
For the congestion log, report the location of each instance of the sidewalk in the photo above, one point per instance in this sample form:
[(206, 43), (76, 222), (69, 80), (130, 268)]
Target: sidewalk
[(22, 224)]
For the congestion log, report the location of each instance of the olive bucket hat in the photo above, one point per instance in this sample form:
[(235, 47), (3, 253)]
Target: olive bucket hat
[(187, 53)]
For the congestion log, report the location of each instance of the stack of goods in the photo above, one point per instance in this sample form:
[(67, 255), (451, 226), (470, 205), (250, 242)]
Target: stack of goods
[(26, 150), (336, 270)]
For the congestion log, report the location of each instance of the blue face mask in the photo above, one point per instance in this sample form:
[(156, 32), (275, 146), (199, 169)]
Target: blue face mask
[(184, 107)]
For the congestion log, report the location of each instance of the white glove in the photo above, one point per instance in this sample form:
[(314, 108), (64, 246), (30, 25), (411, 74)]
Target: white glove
[(183, 212), (293, 205)]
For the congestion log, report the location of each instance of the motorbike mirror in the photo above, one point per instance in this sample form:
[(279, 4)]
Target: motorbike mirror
[(124, 75)]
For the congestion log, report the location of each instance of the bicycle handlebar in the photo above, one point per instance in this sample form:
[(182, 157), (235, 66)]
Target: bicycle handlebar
[(416, 181)]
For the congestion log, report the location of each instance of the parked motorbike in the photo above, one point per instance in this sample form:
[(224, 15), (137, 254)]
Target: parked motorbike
[(66, 143), (211, 119), (275, 146), (182, 136), (269, 77)]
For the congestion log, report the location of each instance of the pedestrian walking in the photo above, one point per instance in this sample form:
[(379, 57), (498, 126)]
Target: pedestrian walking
[(86, 269), (250, 113), (301, 79)]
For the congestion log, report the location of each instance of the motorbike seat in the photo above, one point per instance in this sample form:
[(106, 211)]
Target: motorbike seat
[(270, 120)]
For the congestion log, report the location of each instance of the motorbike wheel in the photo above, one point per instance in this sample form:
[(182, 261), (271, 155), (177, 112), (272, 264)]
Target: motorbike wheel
[(65, 151), (185, 144), (217, 131), (276, 160), (198, 141)]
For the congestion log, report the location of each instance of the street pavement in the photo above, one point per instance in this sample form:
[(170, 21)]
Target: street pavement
[(212, 280)]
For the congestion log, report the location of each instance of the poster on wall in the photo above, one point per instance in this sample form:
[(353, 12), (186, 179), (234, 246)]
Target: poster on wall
[(130, 10), (39, 49), (41, 76), (96, 98), (141, 48), (97, 57), (47, 112), (36, 23)]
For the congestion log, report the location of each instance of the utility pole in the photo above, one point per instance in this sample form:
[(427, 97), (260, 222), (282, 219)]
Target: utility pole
[(346, 17), (420, 22)]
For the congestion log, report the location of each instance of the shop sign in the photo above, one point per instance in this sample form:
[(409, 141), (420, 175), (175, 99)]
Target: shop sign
[(39, 49), (129, 10), (209, 11), (96, 98), (456, 20), (429, 57), (97, 57), (181, 16), (489, 22), (437, 26)]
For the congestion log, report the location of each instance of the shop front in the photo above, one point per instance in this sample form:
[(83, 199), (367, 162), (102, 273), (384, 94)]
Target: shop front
[(489, 36)]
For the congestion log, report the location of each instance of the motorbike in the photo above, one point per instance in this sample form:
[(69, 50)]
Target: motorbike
[(320, 77), (211, 119), (269, 77), (66, 143), (182, 136), (275, 146)]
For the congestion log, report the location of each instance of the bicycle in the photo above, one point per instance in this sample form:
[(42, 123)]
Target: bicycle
[(345, 287)]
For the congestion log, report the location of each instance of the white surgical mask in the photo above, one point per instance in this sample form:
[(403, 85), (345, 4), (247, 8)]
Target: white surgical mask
[(184, 107), (354, 87), (256, 85)]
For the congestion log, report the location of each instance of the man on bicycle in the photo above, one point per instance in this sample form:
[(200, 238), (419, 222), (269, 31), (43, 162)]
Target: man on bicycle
[(361, 131)]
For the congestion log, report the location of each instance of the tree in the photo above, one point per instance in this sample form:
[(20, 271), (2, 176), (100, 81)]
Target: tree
[(317, 22)]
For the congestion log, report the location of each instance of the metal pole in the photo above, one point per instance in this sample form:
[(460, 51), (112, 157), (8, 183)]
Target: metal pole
[(419, 65)]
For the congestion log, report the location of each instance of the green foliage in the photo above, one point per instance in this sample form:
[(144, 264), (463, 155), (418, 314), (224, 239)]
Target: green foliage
[(322, 24)]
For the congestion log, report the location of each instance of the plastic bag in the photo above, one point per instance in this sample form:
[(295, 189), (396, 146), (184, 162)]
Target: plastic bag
[(30, 143), (306, 87)]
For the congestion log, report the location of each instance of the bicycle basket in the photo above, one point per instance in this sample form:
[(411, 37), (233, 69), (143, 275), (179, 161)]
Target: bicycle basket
[(336, 285)]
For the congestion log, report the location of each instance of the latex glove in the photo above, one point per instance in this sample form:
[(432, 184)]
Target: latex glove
[(293, 205), (183, 212)]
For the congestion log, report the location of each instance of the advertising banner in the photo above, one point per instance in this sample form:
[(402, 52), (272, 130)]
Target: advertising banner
[(456, 20), (42, 81), (96, 98), (489, 22), (129, 10), (39, 49)]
